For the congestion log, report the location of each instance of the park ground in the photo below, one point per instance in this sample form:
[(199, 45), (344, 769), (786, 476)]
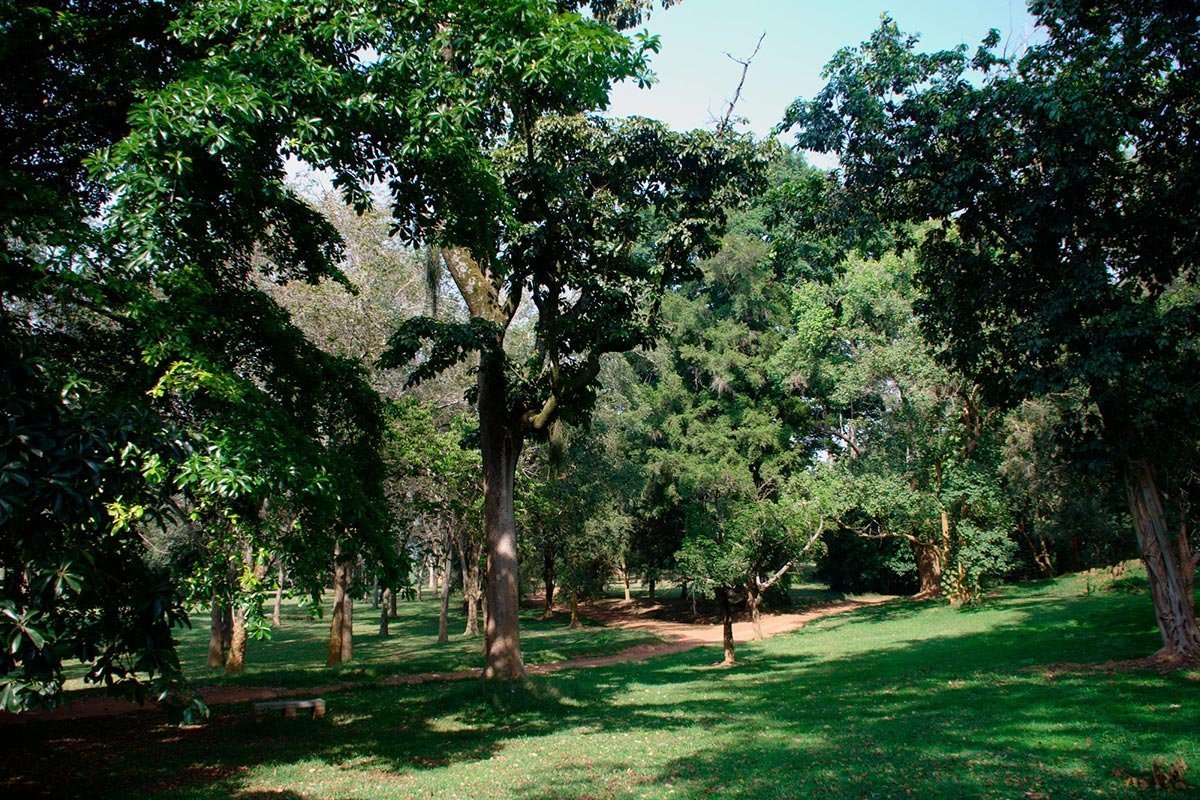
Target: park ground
[(1024, 697)]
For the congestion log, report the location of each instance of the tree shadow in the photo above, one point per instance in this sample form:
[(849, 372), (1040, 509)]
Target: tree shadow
[(943, 706)]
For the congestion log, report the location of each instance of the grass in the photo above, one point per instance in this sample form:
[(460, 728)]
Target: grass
[(895, 701), (295, 654)]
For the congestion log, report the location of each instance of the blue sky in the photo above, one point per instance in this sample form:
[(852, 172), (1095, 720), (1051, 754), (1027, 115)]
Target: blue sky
[(696, 78)]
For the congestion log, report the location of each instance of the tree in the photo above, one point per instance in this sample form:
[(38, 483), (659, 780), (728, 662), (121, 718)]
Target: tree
[(718, 433), (1065, 253), (1069, 510), (572, 499), (438, 473), (150, 373), (590, 219), (913, 450)]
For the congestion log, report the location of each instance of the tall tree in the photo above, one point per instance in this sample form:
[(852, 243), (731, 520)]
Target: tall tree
[(717, 432), (589, 219), (911, 443), (148, 151), (1065, 183)]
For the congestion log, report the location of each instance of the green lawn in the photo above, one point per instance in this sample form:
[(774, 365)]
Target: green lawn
[(903, 700)]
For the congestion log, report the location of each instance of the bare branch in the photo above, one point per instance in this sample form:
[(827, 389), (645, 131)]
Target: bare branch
[(727, 120), (779, 573)]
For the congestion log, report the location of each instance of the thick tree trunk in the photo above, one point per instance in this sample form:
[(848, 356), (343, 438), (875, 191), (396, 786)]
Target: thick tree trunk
[(393, 610), (341, 629), (930, 559), (548, 582), (683, 590), (216, 634), (444, 609), (472, 628), (727, 625), (1169, 565), (625, 577), (650, 589), (500, 443), (383, 612), (235, 661), (575, 610), (483, 606)]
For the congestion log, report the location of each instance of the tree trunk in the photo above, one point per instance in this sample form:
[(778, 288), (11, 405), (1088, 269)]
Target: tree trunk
[(727, 625), (388, 595), (754, 595), (625, 576), (235, 662), (1039, 549), (472, 628), (500, 445), (444, 610), (1169, 565), (394, 612), (277, 611), (683, 590), (650, 589), (216, 634), (341, 629), (575, 610), (929, 568), (469, 558), (483, 606), (548, 582), (375, 592), (235, 616), (227, 628)]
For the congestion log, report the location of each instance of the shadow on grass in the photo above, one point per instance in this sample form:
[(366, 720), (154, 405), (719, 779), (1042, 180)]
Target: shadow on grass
[(888, 701)]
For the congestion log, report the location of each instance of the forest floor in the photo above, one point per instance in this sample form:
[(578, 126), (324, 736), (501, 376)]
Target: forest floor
[(893, 700)]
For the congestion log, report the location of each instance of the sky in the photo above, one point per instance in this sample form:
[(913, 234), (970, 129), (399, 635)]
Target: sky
[(696, 78)]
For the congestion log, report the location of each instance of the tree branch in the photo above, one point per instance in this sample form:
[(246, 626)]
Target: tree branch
[(727, 120), (481, 296)]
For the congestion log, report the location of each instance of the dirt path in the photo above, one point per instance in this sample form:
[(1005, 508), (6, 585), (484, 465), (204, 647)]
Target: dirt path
[(678, 637)]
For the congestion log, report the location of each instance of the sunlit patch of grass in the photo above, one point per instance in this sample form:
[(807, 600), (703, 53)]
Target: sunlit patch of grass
[(900, 700)]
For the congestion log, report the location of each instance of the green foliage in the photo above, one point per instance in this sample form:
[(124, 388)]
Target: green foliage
[(1069, 507), (134, 314), (599, 217), (913, 454), (717, 430), (1063, 256), (434, 484), (572, 502)]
